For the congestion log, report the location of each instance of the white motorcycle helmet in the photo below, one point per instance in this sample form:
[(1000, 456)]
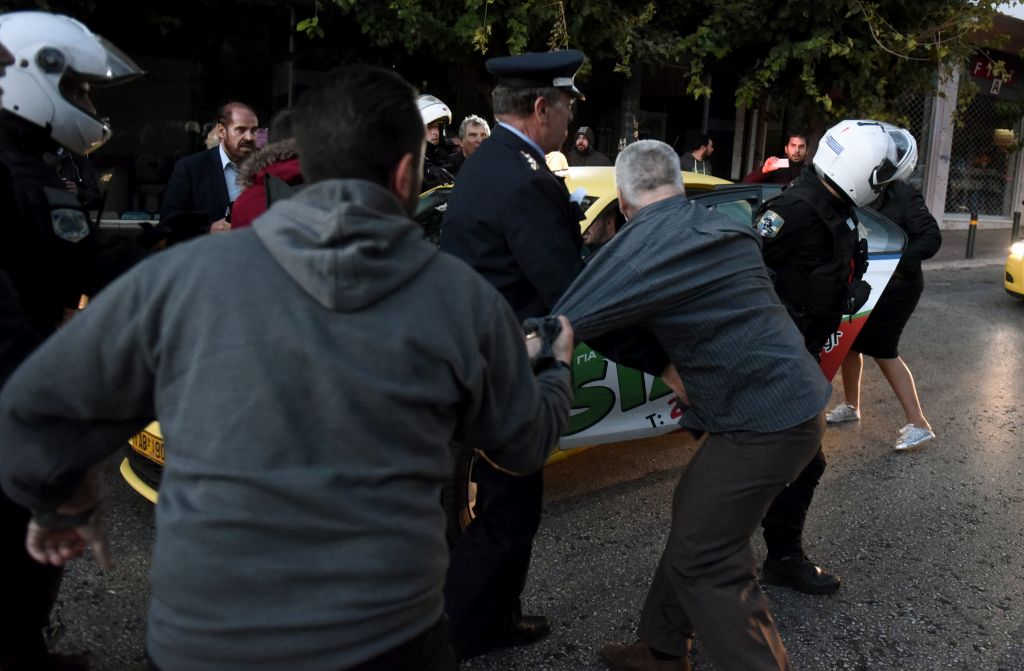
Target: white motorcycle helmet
[(432, 109), (859, 157), (49, 49)]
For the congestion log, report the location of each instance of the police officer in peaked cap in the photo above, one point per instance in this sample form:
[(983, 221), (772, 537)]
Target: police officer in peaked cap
[(512, 220), (555, 69)]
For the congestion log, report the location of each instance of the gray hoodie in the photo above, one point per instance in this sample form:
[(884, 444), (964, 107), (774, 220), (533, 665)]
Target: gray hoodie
[(309, 375)]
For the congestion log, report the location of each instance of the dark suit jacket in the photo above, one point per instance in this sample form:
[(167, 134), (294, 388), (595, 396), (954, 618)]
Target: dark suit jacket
[(511, 219), (197, 184)]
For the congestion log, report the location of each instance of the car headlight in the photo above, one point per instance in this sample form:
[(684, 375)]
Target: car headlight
[(1017, 249)]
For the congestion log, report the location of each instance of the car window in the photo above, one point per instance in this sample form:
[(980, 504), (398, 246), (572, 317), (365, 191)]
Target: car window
[(737, 204), (610, 210), (884, 237)]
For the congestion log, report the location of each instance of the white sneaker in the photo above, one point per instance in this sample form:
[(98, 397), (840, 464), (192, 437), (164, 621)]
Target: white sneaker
[(844, 412), (912, 436)]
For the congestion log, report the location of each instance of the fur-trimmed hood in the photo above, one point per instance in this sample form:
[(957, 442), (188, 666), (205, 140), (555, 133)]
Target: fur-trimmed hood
[(264, 158)]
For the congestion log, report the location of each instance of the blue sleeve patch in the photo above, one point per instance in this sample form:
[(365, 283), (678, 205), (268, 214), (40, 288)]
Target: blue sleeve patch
[(769, 225)]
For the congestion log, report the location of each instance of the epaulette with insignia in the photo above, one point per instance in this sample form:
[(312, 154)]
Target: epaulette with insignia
[(530, 159)]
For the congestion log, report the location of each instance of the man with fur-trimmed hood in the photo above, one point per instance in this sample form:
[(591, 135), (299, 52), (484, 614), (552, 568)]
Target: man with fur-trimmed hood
[(278, 158)]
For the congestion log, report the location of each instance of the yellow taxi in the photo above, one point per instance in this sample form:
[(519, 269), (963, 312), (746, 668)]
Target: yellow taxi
[(612, 403), (1013, 275)]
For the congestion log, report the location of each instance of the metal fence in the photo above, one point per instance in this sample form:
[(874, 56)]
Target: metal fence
[(982, 163), (914, 114)]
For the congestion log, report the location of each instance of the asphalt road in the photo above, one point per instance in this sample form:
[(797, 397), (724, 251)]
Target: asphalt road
[(930, 544)]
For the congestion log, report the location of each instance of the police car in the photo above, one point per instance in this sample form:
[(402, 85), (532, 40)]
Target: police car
[(612, 403)]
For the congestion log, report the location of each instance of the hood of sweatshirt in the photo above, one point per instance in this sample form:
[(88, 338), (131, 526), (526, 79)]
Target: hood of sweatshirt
[(348, 243)]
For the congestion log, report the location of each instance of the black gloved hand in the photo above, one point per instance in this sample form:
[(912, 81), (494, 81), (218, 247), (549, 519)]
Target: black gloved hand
[(547, 329)]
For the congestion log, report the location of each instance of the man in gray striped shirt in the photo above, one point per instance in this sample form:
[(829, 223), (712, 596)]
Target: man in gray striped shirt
[(695, 278)]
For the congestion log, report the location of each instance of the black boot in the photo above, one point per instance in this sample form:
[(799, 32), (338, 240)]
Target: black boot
[(800, 573)]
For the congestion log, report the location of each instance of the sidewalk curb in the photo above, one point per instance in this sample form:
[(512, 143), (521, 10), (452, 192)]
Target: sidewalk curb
[(962, 263)]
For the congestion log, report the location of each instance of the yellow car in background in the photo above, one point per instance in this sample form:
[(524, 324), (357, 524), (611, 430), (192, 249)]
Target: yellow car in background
[(1013, 279)]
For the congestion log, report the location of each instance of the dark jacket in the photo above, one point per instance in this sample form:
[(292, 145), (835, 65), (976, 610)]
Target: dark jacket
[(80, 170), (17, 337), (510, 218), (279, 159), (905, 206), (809, 238), (197, 184), (688, 163), (50, 249), (455, 161), (591, 158)]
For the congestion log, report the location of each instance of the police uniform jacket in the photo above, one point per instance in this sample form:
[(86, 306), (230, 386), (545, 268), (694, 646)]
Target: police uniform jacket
[(49, 249), (810, 238), (511, 219)]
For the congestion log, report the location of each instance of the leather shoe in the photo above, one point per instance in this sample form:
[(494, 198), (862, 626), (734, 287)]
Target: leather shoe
[(528, 629), (799, 573), (638, 657)]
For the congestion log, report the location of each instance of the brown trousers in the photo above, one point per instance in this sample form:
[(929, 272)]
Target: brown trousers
[(705, 582)]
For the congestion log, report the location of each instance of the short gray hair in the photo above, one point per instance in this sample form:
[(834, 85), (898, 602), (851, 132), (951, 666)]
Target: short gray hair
[(644, 166), (519, 102), (472, 120)]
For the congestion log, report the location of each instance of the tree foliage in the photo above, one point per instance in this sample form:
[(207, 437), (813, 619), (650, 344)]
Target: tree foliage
[(846, 57)]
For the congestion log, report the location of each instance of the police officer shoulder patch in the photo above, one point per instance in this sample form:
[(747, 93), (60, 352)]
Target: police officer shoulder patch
[(769, 225), (66, 216), (70, 225)]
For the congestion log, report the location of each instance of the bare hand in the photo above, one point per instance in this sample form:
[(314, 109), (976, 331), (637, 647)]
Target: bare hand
[(220, 226), (670, 376), (70, 185), (57, 547), (769, 164)]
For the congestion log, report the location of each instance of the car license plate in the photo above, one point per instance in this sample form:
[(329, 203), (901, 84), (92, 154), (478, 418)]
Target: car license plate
[(148, 445)]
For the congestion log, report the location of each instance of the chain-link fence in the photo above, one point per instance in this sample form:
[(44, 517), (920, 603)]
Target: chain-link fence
[(913, 112), (982, 163)]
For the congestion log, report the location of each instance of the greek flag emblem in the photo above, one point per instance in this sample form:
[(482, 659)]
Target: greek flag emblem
[(834, 145)]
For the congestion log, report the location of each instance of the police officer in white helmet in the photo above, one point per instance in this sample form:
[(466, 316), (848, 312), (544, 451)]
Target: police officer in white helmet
[(436, 115), (811, 242), (49, 255)]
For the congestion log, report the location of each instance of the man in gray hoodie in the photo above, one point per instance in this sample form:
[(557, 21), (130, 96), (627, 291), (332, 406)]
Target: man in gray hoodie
[(307, 412)]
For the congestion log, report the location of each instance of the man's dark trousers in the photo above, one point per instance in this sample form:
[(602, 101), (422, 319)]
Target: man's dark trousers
[(490, 561), (705, 582)]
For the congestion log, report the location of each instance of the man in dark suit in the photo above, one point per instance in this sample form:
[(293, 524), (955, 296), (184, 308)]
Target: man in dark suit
[(512, 220), (206, 182)]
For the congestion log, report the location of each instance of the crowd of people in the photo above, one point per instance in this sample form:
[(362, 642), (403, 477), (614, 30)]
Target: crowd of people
[(387, 350)]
